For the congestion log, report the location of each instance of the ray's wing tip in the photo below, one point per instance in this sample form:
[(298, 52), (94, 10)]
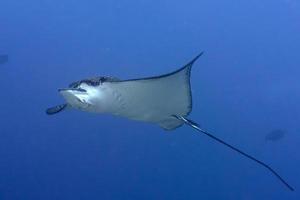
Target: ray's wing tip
[(196, 58), (199, 55)]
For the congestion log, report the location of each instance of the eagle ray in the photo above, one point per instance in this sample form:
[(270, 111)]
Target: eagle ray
[(165, 100)]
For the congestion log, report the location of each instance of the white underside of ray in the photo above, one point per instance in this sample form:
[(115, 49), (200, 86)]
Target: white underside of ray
[(151, 100)]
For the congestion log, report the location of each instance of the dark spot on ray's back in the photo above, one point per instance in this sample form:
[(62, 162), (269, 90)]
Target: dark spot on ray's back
[(3, 59), (275, 135), (93, 81)]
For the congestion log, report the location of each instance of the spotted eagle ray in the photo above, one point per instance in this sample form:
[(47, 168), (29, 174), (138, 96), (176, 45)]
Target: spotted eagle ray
[(165, 100)]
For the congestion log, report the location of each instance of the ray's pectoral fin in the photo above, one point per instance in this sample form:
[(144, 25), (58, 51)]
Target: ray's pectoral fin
[(196, 126), (170, 124), (56, 109)]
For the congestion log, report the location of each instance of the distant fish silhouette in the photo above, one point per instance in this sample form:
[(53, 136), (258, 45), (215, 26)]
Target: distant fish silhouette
[(275, 135), (3, 59), (165, 100)]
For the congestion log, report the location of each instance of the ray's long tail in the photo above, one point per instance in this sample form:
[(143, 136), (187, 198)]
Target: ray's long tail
[(196, 126)]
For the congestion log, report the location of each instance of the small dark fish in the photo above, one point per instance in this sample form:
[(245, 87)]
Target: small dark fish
[(275, 135), (3, 59)]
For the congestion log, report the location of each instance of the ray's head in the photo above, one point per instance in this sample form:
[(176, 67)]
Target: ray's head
[(88, 94), (83, 94)]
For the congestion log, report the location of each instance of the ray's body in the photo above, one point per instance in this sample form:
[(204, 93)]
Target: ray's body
[(165, 100)]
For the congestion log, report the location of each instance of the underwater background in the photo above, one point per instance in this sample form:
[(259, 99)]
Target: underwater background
[(245, 85)]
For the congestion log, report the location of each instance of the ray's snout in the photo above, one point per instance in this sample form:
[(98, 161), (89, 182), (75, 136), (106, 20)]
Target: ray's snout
[(68, 93), (76, 97)]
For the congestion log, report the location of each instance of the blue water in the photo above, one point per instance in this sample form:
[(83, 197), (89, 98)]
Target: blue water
[(245, 85)]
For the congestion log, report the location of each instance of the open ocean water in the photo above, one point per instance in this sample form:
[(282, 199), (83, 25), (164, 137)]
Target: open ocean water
[(245, 85)]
